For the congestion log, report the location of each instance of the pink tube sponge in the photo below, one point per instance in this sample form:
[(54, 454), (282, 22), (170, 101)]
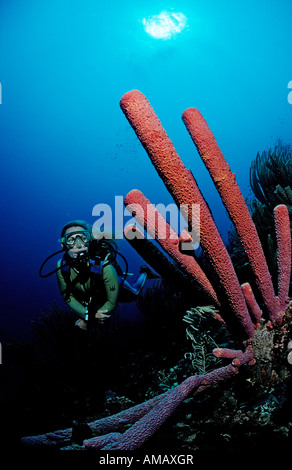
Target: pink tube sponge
[(227, 353), (155, 225), (184, 190), (234, 202), (283, 233), (252, 304)]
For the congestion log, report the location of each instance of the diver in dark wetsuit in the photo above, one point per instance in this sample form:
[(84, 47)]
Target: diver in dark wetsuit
[(96, 285)]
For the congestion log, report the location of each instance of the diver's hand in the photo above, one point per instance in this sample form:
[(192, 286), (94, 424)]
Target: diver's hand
[(101, 315), (81, 324)]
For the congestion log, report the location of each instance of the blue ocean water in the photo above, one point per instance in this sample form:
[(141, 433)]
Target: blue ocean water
[(65, 144)]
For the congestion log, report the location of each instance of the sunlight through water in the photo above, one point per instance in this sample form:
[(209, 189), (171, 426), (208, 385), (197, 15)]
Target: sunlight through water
[(165, 25)]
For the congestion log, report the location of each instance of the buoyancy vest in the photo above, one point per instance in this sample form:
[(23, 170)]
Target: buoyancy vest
[(94, 269)]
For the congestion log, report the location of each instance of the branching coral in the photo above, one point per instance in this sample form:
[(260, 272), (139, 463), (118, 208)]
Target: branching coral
[(238, 307)]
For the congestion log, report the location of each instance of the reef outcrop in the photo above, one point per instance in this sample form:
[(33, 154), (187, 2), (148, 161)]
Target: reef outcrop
[(251, 314)]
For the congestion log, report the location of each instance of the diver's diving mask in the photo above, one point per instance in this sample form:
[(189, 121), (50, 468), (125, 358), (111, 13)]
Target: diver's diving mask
[(70, 239)]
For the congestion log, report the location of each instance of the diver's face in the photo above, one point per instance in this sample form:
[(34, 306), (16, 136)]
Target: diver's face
[(76, 241)]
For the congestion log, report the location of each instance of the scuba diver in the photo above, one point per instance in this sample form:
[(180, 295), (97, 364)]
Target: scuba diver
[(89, 276)]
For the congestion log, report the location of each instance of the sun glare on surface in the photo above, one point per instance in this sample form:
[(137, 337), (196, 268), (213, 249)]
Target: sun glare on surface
[(165, 25)]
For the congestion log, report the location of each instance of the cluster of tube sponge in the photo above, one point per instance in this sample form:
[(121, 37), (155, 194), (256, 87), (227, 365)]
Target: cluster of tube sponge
[(184, 189), (148, 417)]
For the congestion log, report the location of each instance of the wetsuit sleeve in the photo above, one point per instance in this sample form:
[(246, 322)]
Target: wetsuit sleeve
[(111, 283), (68, 297)]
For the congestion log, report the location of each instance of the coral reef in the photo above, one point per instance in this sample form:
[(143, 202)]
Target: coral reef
[(259, 321)]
